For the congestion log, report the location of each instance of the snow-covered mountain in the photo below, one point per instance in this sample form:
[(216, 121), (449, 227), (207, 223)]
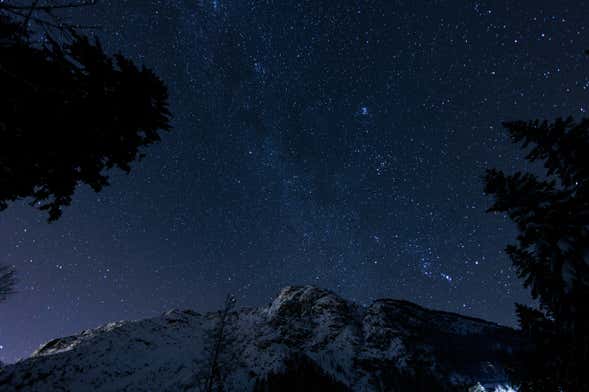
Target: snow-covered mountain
[(306, 339)]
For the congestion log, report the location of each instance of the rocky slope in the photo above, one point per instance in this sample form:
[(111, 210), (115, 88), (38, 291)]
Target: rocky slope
[(306, 339)]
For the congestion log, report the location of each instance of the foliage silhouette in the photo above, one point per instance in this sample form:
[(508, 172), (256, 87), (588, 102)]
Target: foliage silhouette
[(68, 111), (551, 255), (301, 374)]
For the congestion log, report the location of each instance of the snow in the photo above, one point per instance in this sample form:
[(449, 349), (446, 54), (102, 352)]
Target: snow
[(492, 388), (165, 353)]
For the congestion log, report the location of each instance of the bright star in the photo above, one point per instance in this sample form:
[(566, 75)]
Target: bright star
[(447, 277)]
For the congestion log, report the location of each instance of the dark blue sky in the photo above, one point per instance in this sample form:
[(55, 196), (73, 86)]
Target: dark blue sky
[(339, 144)]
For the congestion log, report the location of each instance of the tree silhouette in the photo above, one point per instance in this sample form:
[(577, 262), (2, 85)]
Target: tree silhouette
[(213, 378), (7, 281), (300, 374), (68, 111), (552, 251)]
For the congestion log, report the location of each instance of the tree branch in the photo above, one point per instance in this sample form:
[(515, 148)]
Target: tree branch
[(48, 7)]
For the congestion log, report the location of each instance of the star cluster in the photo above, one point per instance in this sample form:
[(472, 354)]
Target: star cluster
[(339, 144)]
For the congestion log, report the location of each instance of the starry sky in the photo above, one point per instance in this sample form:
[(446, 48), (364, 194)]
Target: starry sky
[(339, 144)]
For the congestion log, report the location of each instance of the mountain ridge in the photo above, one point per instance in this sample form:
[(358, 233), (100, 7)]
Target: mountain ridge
[(387, 345)]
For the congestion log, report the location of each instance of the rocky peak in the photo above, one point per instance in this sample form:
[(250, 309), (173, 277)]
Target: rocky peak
[(304, 329)]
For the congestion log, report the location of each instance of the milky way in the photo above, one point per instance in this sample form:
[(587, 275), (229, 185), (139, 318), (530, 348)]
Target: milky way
[(339, 144)]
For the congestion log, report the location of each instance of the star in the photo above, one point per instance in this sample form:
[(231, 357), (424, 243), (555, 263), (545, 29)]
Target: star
[(312, 145)]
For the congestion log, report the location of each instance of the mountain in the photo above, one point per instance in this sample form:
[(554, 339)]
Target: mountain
[(307, 339)]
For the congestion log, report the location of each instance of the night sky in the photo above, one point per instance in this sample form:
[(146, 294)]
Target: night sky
[(333, 143)]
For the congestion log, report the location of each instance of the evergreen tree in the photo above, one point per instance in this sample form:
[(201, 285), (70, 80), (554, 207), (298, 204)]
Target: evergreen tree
[(301, 374), (551, 254), (68, 111)]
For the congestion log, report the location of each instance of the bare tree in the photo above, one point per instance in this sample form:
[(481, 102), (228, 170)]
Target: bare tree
[(213, 379), (45, 14), (7, 282)]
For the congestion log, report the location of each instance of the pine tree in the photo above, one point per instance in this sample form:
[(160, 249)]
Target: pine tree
[(69, 112), (551, 254)]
